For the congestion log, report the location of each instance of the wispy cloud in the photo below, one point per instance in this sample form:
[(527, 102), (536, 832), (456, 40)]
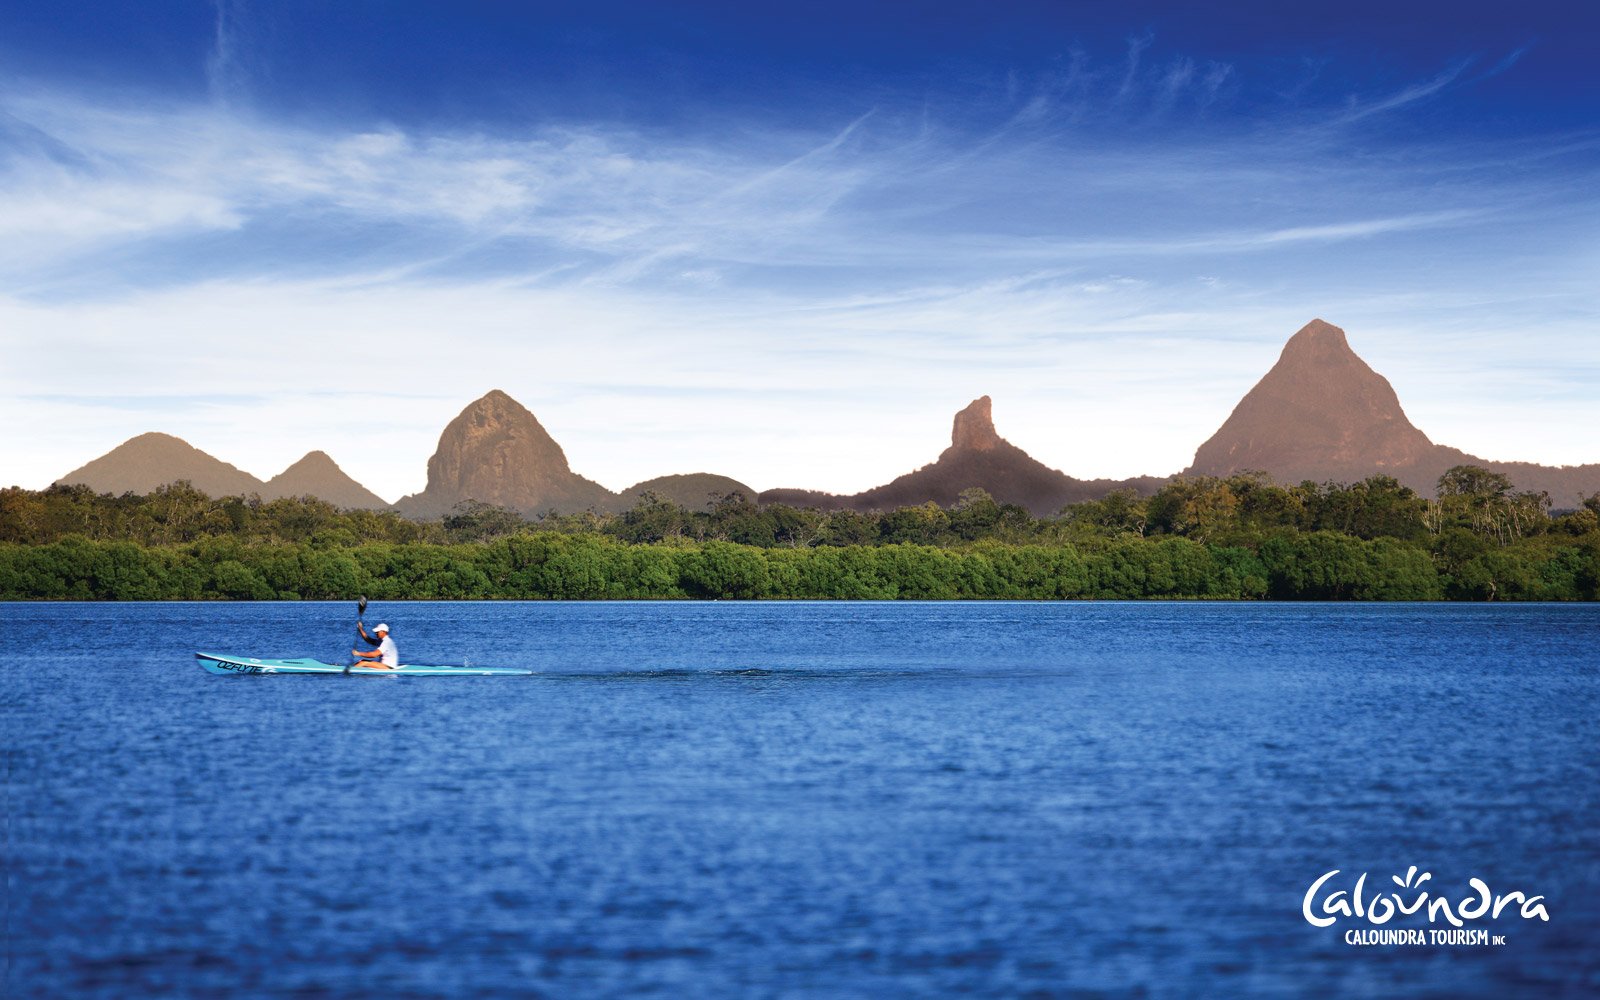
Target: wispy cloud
[(1507, 61), (1130, 78), (1087, 241), (1357, 229), (136, 173), (224, 71), (1359, 108), (622, 206)]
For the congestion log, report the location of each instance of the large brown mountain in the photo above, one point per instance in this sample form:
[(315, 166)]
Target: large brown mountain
[(977, 457), (496, 452), (141, 464), (1322, 414), (317, 475)]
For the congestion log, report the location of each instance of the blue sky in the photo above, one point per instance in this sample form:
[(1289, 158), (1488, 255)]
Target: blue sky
[(784, 246)]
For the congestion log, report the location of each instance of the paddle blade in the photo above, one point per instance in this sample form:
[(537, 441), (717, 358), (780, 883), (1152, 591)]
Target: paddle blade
[(361, 606)]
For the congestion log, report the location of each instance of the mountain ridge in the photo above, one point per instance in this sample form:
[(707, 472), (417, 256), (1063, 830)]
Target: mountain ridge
[(148, 461), (978, 457), (1320, 413)]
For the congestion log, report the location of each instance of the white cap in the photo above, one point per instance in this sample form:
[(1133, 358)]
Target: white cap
[(381, 628)]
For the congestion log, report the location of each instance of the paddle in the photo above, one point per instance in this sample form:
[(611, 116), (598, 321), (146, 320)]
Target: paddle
[(361, 609)]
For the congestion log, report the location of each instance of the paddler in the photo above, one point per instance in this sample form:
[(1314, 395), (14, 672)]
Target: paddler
[(386, 656)]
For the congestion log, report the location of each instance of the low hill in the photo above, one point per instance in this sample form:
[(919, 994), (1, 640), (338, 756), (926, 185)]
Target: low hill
[(317, 475), (141, 464), (692, 491)]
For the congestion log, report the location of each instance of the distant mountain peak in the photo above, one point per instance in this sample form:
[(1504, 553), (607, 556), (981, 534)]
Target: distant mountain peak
[(316, 474), (1320, 329), (143, 463), (157, 438), (496, 452), (496, 415), (974, 427), (978, 457), (312, 461), (1319, 343), (1321, 412)]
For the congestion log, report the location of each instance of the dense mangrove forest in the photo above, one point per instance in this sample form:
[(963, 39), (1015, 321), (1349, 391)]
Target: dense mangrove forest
[(1241, 537)]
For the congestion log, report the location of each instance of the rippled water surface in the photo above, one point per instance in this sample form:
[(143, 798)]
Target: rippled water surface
[(843, 799)]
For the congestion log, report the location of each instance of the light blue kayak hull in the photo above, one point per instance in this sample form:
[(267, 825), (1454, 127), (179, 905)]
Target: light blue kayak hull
[(216, 663)]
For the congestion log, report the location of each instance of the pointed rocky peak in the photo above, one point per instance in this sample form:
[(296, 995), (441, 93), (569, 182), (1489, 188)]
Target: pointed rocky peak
[(495, 419), (1318, 333), (1319, 344), (974, 427), (496, 401), (978, 458), (1318, 367), (318, 475), (496, 452), (142, 463), (312, 463), (1320, 413)]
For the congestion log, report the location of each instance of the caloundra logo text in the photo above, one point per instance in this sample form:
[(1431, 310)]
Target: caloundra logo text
[(1326, 903)]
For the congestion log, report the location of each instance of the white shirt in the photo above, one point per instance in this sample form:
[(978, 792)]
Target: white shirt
[(391, 655)]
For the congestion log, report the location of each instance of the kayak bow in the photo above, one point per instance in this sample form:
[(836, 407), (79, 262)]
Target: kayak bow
[(218, 664)]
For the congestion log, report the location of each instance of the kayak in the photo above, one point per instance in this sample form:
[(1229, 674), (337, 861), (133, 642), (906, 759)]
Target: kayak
[(218, 664)]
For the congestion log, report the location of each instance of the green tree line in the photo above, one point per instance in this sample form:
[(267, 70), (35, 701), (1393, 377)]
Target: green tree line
[(1242, 537)]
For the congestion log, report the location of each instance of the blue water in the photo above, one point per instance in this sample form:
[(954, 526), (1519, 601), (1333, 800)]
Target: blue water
[(839, 800)]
